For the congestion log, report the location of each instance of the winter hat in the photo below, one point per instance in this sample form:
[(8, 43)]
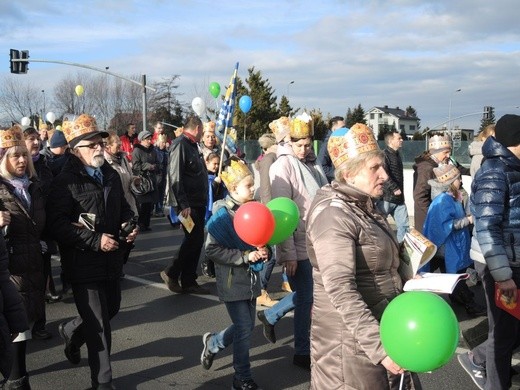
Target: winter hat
[(57, 139), (144, 135), (445, 174), (507, 130)]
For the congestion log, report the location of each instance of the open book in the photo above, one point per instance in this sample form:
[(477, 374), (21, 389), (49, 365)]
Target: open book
[(417, 251), (435, 282)]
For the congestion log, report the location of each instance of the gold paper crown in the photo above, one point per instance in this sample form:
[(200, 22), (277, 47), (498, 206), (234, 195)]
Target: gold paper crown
[(11, 137), (209, 126), (42, 125), (84, 124), (346, 144), (302, 126), (439, 142), (280, 128), (234, 173), (446, 173)]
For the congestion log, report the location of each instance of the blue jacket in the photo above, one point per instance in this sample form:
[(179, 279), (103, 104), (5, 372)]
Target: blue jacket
[(439, 229), (495, 204)]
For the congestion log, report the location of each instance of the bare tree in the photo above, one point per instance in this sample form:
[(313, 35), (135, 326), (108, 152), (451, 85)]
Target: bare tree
[(19, 98)]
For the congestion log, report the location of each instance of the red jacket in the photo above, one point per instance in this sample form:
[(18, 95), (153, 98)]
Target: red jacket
[(127, 144)]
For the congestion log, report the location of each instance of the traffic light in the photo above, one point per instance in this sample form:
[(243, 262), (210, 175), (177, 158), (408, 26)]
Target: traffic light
[(15, 66), (18, 67)]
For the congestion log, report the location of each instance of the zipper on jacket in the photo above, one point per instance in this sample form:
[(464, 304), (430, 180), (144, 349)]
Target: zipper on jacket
[(513, 247), (230, 278)]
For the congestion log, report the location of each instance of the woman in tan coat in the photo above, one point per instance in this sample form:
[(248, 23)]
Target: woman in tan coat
[(354, 255)]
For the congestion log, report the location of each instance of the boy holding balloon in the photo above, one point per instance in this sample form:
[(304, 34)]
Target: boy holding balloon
[(237, 267)]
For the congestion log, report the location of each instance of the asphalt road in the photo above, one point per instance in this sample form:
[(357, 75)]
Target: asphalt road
[(157, 335)]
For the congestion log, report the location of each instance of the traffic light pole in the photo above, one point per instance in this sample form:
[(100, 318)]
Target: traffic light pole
[(141, 83)]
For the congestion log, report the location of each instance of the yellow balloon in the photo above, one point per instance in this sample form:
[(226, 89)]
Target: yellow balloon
[(79, 90)]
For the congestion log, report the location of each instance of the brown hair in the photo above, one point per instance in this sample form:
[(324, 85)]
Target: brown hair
[(486, 132)]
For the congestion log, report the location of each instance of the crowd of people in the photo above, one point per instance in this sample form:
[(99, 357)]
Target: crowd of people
[(85, 194)]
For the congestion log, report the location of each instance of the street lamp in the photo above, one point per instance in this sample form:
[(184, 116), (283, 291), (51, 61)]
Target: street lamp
[(449, 111), (43, 113), (288, 85)]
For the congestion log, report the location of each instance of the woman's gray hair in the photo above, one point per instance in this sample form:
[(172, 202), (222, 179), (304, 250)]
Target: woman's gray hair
[(354, 165), (31, 172)]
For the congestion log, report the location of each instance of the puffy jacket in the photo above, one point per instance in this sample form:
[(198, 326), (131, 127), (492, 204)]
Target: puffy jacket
[(72, 193), (235, 280), (394, 169), (355, 258), (495, 204), (187, 175), (23, 244), (145, 162)]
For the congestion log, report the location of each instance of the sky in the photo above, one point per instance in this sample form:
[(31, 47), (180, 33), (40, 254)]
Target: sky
[(339, 53)]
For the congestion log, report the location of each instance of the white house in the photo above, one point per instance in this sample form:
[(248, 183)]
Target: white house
[(379, 117)]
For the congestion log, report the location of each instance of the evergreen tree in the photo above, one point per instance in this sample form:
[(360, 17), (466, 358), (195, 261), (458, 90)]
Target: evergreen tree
[(348, 118), (358, 115), (410, 111), (285, 108), (488, 118)]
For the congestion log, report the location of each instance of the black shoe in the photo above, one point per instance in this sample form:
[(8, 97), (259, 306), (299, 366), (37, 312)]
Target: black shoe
[(41, 334), (206, 357), (72, 352), (247, 384), (475, 310), (103, 386), (196, 290), (267, 327), (52, 298), (18, 384), (173, 285), (303, 361)]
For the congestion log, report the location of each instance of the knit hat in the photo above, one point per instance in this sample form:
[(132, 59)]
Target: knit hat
[(267, 140), (144, 135), (82, 128), (439, 143), (445, 174), (507, 130), (345, 144), (58, 139)]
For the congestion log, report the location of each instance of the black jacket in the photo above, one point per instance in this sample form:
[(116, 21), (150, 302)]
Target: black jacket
[(394, 170), (187, 175), (146, 163), (72, 193)]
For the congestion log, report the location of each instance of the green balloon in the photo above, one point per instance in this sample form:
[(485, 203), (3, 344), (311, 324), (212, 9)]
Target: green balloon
[(214, 89), (419, 331), (286, 216)]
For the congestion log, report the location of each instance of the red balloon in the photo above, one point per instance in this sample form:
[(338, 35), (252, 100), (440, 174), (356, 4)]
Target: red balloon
[(254, 223)]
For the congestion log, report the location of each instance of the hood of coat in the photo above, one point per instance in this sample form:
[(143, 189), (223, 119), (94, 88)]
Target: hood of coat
[(475, 148), (493, 149), (285, 149)]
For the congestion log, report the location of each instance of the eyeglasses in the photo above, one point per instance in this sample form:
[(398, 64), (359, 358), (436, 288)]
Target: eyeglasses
[(93, 145)]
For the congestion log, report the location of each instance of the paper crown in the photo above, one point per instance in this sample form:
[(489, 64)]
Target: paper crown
[(209, 126), (84, 124), (345, 144), (42, 125), (280, 128), (11, 137), (446, 173), (438, 143), (302, 126), (234, 173)]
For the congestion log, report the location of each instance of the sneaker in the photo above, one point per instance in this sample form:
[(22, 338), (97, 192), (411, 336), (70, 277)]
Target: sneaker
[(72, 352), (265, 300), (476, 372), (206, 357), (173, 285), (247, 384), (267, 327), (196, 290)]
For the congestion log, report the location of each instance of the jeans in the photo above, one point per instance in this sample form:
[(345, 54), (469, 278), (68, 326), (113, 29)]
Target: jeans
[(185, 265), (503, 338), (301, 301), (400, 215), (266, 272), (242, 315)]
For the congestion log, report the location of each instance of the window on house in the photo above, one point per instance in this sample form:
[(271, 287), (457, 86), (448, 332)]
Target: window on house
[(412, 127), (401, 127), (380, 116), (372, 115)]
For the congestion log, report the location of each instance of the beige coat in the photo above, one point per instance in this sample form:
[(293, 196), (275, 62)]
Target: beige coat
[(354, 255)]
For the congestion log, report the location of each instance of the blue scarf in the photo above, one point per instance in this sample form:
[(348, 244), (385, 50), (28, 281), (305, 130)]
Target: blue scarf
[(21, 190)]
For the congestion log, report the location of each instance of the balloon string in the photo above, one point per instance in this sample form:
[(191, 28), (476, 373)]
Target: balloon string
[(402, 382)]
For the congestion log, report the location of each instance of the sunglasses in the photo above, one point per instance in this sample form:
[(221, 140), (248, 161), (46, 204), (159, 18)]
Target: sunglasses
[(93, 145)]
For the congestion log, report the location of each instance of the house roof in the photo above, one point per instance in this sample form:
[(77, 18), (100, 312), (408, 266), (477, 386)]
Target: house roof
[(397, 112)]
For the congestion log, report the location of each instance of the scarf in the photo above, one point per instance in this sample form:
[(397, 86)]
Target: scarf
[(313, 178), (21, 190)]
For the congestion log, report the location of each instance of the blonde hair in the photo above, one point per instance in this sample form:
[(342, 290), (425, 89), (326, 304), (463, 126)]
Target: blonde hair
[(354, 165), (486, 132), (29, 169)]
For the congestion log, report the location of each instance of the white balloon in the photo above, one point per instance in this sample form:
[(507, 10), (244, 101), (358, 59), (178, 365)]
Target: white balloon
[(25, 121), (51, 117), (198, 105)]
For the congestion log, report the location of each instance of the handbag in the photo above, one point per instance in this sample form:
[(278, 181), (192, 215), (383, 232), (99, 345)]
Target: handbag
[(141, 185)]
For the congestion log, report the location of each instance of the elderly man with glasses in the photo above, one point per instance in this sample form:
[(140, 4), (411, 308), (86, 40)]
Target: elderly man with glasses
[(87, 214)]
